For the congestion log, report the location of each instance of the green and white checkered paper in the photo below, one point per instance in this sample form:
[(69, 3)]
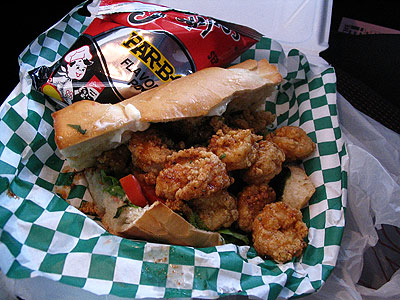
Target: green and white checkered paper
[(42, 235)]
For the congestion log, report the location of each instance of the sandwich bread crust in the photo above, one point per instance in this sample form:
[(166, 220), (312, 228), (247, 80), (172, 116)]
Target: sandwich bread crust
[(86, 128)]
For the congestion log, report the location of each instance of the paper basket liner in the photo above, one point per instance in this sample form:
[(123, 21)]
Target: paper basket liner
[(42, 235)]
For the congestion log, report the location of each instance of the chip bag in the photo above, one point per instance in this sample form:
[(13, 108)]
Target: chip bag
[(132, 47)]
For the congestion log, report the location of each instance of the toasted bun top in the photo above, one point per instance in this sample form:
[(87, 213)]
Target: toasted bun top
[(87, 125)]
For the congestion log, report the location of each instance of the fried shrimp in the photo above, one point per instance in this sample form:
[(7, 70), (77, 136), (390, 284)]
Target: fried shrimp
[(149, 153), (268, 164), (279, 232), (116, 162), (251, 202), (293, 141), (192, 173), (257, 121), (192, 131), (179, 206), (217, 211), (237, 148)]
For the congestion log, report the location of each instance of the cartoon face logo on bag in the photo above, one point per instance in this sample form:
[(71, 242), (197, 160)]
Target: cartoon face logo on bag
[(77, 62)]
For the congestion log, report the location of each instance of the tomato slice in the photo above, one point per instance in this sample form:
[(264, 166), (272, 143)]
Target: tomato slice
[(133, 190), (150, 194)]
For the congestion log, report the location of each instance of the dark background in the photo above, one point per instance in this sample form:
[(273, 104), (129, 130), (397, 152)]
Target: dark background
[(22, 22), (367, 67)]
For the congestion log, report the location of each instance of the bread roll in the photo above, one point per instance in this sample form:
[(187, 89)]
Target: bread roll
[(86, 128), (298, 188)]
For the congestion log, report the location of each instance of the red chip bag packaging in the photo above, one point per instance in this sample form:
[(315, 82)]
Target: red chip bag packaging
[(131, 47)]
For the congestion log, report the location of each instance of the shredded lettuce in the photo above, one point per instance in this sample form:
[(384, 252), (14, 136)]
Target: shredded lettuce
[(195, 220), (127, 204), (230, 235), (113, 187)]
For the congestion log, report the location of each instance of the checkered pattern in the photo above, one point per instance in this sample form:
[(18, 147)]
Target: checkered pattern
[(41, 234), (51, 45)]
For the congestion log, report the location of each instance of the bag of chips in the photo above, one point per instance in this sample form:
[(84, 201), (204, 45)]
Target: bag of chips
[(131, 47)]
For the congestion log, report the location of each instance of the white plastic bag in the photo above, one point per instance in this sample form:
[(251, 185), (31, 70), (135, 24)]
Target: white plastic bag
[(373, 201)]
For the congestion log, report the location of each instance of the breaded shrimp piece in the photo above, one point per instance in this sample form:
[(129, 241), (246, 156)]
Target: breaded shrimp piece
[(115, 162), (216, 211), (192, 173), (293, 141), (257, 120), (190, 131), (179, 206), (149, 152), (251, 202), (217, 123), (268, 164), (279, 232), (237, 148)]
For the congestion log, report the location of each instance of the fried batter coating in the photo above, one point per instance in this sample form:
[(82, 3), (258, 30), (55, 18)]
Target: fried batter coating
[(179, 206), (217, 211), (279, 232), (88, 208), (149, 152), (147, 178), (190, 131), (268, 164), (293, 141), (115, 162), (237, 148), (192, 173), (251, 202), (217, 123), (250, 119)]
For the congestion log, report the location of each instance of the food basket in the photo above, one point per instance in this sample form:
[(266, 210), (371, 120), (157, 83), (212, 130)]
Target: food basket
[(42, 235)]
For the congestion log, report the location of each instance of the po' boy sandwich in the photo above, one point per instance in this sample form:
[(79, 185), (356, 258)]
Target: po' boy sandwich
[(162, 166)]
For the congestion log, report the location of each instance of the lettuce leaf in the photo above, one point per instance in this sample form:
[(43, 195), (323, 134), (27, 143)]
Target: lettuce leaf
[(113, 187), (235, 237)]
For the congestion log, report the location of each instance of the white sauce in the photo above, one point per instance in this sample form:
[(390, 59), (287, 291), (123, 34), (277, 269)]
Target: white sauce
[(122, 114), (132, 112), (86, 152), (219, 109), (108, 119)]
